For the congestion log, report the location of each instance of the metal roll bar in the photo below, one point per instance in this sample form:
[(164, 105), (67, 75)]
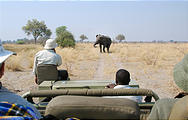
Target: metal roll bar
[(92, 92)]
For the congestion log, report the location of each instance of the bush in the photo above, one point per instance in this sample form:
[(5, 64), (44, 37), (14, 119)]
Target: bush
[(67, 43), (20, 42), (66, 40), (64, 37)]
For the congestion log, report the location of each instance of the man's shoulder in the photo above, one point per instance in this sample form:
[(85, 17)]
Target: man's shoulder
[(5, 91), (44, 52), (10, 97), (58, 55), (47, 52), (41, 51)]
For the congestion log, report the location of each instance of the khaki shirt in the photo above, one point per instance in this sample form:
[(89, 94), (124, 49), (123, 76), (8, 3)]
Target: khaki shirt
[(46, 57)]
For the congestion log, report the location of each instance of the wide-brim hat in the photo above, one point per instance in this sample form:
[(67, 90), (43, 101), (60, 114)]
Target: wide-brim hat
[(181, 73), (4, 54), (50, 44)]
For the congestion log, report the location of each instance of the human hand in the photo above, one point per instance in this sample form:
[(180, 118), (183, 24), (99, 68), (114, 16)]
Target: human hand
[(36, 80), (112, 85)]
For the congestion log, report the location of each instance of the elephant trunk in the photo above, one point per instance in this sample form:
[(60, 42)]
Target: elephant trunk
[(95, 44)]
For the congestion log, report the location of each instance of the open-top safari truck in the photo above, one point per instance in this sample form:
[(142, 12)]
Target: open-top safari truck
[(89, 103), (84, 99)]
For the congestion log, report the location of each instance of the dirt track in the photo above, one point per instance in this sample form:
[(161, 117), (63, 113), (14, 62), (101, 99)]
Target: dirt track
[(160, 80), (157, 80)]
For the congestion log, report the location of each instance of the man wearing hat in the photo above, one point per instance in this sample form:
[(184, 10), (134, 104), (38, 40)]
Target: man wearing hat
[(5, 94), (174, 108), (47, 56)]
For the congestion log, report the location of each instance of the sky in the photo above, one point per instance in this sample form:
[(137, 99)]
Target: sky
[(136, 20)]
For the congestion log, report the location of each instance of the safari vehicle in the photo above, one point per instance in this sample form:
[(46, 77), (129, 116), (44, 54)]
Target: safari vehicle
[(84, 99)]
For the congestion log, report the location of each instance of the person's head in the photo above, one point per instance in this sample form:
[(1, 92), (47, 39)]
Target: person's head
[(122, 77), (99, 35), (50, 44), (4, 54)]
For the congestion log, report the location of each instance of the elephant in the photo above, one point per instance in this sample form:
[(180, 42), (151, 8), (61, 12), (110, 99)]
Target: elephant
[(104, 41)]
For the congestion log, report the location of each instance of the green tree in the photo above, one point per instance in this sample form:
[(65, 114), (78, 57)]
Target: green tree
[(37, 29), (83, 37), (64, 37), (47, 34), (120, 37), (42, 40)]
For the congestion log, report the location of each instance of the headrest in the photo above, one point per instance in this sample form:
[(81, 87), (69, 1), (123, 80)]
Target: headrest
[(83, 107), (47, 73)]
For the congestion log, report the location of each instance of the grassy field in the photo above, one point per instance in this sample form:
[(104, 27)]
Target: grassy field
[(157, 56), (146, 62)]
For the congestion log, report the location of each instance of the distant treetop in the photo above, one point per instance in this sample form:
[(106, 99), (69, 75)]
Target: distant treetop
[(120, 37), (37, 29)]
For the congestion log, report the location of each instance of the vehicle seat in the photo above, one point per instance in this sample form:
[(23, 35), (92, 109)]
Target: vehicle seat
[(47, 73), (84, 107)]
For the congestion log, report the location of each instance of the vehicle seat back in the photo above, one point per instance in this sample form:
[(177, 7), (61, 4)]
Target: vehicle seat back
[(84, 107), (47, 73)]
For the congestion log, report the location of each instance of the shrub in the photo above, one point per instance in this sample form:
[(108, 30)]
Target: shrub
[(64, 37), (20, 42), (67, 43)]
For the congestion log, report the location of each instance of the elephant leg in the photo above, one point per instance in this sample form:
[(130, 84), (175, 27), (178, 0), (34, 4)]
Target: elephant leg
[(108, 49), (100, 48), (103, 48)]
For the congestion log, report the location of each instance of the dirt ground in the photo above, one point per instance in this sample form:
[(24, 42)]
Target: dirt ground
[(158, 80)]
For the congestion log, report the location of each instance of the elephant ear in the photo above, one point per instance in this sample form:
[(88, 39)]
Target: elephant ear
[(98, 37)]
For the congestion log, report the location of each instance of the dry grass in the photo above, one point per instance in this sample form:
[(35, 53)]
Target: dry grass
[(70, 57), (151, 65), (157, 56), (12, 64), (24, 58), (152, 59)]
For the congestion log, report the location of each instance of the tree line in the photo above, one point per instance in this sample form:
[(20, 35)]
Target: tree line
[(40, 32)]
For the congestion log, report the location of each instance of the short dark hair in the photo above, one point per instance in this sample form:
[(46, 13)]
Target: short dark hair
[(122, 77), (1, 64)]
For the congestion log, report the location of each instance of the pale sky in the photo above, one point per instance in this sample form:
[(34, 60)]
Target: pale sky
[(137, 20)]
